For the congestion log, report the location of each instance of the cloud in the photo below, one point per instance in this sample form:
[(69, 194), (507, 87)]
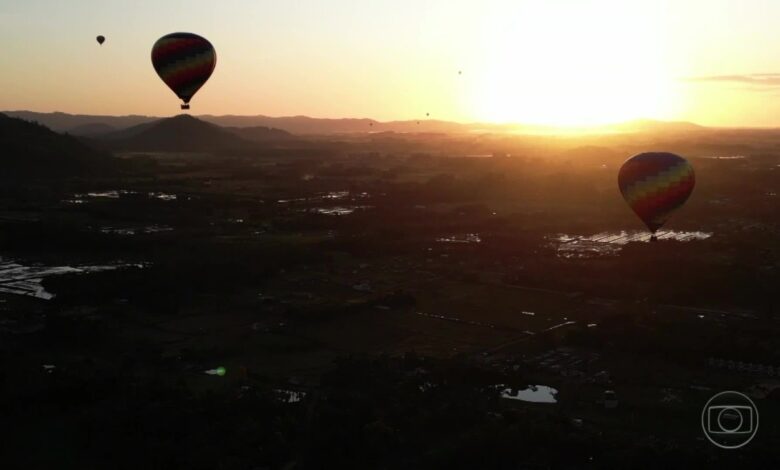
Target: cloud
[(757, 81)]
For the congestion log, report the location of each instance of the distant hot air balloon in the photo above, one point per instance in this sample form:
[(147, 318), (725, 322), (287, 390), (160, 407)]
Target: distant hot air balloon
[(101, 39), (654, 185), (184, 61)]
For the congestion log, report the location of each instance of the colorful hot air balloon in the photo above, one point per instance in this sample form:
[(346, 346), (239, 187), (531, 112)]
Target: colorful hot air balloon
[(655, 184), (101, 39), (184, 61)]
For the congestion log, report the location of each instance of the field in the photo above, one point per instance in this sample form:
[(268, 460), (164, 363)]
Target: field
[(366, 306)]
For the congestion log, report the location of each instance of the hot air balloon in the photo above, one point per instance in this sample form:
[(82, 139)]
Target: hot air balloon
[(184, 61), (101, 39), (654, 185)]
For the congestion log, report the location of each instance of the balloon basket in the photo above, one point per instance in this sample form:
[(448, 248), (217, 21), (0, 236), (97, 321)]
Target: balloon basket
[(185, 106)]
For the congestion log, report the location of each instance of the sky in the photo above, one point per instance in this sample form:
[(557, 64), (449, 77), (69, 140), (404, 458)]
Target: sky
[(555, 62)]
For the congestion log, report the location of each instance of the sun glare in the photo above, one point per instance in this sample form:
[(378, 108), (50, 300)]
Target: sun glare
[(571, 64)]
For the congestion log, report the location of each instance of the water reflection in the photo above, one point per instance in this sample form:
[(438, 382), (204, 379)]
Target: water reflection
[(19, 279), (112, 194), (329, 196), (129, 231), (610, 243), (290, 396), (163, 196), (461, 238), (338, 210), (532, 394), (336, 195), (81, 198)]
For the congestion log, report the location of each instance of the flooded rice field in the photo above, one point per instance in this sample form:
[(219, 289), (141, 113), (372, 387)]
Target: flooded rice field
[(20, 279), (82, 198), (338, 210), (532, 394), (610, 243), (130, 231), (329, 196), (461, 238)]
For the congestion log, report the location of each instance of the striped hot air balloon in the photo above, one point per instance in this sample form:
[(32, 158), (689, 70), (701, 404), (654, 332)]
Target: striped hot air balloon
[(655, 184), (184, 61)]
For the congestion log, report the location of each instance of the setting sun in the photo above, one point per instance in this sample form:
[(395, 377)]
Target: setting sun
[(571, 64)]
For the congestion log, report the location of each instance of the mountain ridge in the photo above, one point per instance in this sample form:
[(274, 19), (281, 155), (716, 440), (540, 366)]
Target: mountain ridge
[(306, 125)]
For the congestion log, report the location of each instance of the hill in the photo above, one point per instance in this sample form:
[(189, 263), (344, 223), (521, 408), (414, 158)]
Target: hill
[(304, 125), (650, 125), (64, 122), (182, 133), (261, 134), (76, 123), (91, 129), (32, 150)]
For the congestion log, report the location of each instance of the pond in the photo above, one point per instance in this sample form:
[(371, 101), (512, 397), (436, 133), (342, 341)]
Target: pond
[(461, 238), (129, 231), (338, 210), (532, 394), (610, 243), (290, 396), (18, 279), (82, 198)]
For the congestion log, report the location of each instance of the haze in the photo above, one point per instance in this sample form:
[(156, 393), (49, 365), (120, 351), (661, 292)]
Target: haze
[(556, 62)]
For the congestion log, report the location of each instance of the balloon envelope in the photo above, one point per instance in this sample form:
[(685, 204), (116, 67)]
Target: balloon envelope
[(655, 184), (100, 39), (184, 61)]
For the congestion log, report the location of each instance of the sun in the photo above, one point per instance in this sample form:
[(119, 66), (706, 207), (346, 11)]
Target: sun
[(571, 64)]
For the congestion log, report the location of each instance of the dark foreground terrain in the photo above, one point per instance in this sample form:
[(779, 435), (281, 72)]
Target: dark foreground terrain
[(376, 304)]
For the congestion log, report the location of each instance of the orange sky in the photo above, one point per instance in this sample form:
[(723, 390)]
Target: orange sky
[(560, 62)]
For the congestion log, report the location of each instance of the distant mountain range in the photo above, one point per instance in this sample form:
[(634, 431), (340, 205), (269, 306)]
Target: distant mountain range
[(92, 125), (63, 122), (87, 125), (32, 150)]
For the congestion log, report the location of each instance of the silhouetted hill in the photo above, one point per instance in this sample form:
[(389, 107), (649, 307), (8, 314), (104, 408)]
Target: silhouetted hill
[(304, 125), (650, 125), (319, 126), (32, 150), (261, 134), (295, 124), (64, 122), (92, 129), (182, 133)]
